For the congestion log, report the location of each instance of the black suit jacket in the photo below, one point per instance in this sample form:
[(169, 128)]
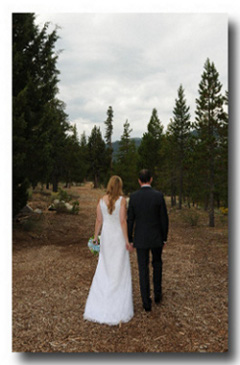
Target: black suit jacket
[(147, 211)]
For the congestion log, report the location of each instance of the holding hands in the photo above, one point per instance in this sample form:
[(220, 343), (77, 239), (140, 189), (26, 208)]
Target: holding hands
[(129, 246)]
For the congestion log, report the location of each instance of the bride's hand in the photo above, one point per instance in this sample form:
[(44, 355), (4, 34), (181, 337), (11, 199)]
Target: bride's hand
[(95, 241), (129, 247)]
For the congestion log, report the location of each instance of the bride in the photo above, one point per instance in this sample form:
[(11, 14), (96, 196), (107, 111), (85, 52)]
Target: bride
[(110, 296)]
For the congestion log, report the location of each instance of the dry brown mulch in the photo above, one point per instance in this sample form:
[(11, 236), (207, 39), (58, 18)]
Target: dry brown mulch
[(53, 269)]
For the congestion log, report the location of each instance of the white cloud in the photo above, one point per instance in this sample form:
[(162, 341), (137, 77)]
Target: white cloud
[(134, 62)]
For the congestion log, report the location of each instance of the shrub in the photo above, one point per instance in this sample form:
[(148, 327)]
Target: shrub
[(54, 196), (63, 205), (224, 210), (63, 195), (191, 217), (30, 193), (20, 195), (75, 208)]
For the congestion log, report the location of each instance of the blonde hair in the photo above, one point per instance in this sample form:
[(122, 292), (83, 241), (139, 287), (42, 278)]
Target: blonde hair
[(114, 191)]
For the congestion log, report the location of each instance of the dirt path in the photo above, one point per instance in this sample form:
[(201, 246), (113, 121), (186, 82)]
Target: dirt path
[(53, 270)]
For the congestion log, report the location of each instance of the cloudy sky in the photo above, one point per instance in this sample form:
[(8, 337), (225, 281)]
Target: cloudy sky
[(134, 62)]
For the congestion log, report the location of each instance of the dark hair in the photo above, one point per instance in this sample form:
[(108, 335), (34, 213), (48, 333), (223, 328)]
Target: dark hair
[(144, 176)]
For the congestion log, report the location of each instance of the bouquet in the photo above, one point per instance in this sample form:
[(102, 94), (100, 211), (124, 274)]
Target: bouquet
[(94, 247)]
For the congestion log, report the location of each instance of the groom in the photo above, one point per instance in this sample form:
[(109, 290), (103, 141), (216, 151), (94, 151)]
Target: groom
[(147, 210)]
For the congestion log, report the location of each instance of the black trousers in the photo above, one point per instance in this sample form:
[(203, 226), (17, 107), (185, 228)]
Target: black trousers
[(143, 267)]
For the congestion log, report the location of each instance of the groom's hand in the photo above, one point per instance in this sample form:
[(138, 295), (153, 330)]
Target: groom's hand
[(129, 246)]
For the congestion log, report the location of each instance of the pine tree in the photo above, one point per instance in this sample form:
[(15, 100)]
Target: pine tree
[(208, 124), (179, 128), (126, 164), (168, 168), (108, 136), (222, 158), (23, 35), (84, 155), (149, 148), (97, 156), (39, 121), (57, 127), (193, 172), (83, 140), (73, 161)]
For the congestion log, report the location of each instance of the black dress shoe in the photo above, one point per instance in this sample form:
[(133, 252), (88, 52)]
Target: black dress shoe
[(147, 309), (158, 298), (148, 306)]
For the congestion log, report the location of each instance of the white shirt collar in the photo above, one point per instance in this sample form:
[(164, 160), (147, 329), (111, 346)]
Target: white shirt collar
[(146, 186)]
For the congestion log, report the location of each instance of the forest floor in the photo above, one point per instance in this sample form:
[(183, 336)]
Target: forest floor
[(53, 268)]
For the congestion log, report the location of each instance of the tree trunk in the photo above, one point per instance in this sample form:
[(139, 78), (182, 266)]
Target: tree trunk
[(211, 197), (218, 201), (47, 186), (206, 203), (211, 210), (180, 189), (95, 181), (173, 192), (55, 184), (174, 200), (211, 172)]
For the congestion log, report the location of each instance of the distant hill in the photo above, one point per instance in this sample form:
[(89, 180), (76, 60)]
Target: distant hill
[(115, 146), (137, 143)]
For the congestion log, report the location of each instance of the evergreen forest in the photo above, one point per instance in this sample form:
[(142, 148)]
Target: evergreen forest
[(188, 160)]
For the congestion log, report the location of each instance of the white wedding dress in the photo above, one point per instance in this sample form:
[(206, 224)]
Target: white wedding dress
[(110, 296)]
